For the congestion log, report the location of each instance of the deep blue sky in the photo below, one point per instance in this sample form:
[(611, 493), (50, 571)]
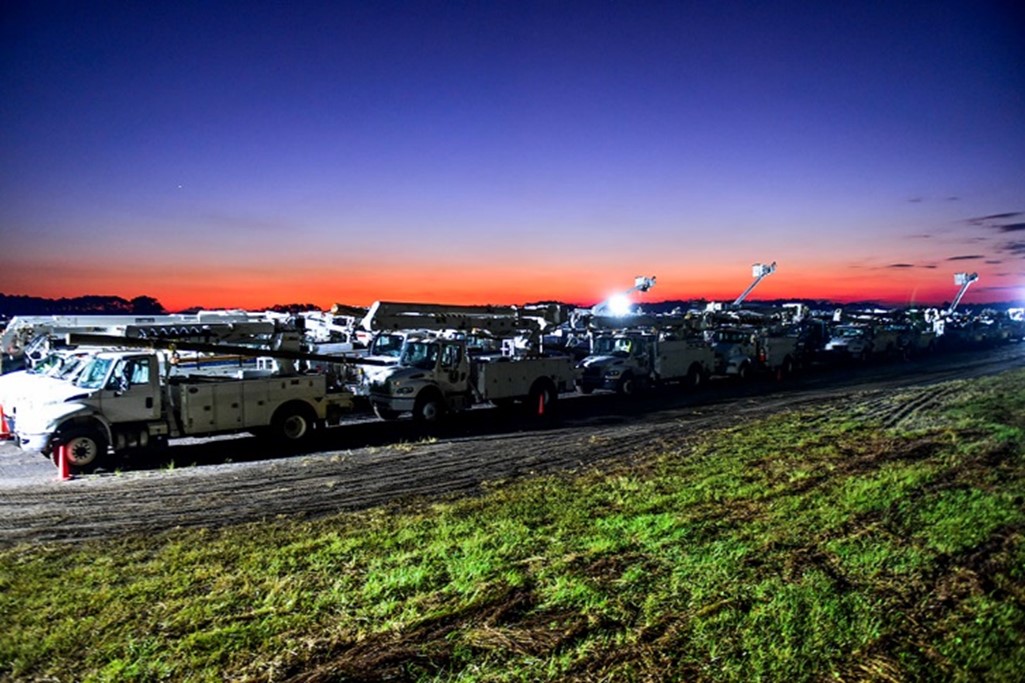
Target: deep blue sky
[(250, 153)]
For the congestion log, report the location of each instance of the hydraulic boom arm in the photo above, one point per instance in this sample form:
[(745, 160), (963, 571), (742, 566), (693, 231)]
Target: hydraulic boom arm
[(965, 280), (760, 272)]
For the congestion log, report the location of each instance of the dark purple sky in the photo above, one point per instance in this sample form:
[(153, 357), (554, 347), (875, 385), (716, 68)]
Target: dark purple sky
[(250, 153)]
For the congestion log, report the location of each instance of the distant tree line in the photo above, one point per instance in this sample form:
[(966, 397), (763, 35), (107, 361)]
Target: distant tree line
[(12, 305)]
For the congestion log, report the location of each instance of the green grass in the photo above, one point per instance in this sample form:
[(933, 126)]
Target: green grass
[(811, 545)]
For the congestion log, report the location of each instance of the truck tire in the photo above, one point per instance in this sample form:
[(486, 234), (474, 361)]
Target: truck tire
[(627, 385), (744, 372), (542, 399), (585, 389), (385, 414), (86, 448), (293, 423), (695, 376), (429, 407)]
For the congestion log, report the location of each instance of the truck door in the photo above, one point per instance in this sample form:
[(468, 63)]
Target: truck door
[(132, 393), (453, 368)]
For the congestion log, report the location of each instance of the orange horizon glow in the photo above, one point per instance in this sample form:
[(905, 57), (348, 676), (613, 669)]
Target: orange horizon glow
[(255, 292)]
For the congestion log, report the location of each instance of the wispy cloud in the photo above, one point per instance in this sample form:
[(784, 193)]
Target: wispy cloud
[(1015, 248), (982, 220), (993, 263), (969, 257), (900, 265), (919, 236), (1011, 227)]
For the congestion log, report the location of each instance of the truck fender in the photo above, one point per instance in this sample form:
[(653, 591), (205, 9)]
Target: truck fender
[(80, 416), (429, 406), (293, 421)]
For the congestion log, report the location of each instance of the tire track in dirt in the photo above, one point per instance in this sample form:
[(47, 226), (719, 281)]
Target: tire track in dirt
[(460, 460)]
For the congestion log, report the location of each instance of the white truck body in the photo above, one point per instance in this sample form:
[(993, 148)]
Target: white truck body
[(125, 399), (625, 362), (859, 341), (743, 351), (498, 378), (436, 375)]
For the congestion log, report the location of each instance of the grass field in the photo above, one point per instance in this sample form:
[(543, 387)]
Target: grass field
[(853, 541)]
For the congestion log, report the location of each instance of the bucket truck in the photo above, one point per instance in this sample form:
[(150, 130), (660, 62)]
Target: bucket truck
[(436, 373), (131, 395), (629, 360), (742, 351), (951, 328), (863, 339)]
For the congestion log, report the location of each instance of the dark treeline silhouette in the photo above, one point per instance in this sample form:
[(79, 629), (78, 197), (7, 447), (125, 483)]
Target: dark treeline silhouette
[(277, 308), (12, 305)]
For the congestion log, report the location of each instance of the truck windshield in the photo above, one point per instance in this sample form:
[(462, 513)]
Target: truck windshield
[(389, 345), (421, 355), (612, 346), (71, 366), (94, 373)]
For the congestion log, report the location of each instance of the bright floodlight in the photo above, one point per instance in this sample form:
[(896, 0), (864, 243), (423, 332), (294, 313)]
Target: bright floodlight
[(619, 305)]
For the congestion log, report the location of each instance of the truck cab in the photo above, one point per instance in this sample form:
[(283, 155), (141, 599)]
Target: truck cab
[(618, 362), (111, 389), (431, 377), (853, 342), (736, 351)]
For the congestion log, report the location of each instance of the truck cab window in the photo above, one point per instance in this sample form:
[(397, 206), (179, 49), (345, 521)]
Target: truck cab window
[(451, 356), (139, 372)]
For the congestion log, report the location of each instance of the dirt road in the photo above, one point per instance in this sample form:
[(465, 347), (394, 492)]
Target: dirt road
[(366, 462)]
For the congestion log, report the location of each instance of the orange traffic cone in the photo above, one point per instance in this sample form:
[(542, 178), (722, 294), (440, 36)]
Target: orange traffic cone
[(5, 432), (63, 467)]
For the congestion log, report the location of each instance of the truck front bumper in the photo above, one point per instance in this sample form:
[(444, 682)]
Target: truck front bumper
[(39, 443), (398, 404), (592, 383)]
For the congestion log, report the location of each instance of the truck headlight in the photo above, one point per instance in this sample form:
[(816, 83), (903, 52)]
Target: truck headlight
[(611, 374), (402, 391)]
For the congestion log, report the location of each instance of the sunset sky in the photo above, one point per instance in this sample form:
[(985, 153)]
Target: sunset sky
[(252, 153)]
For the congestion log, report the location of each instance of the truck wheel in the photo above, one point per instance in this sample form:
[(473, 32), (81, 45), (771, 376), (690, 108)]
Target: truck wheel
[(385, 414), (292, 423), (627, 386), (744, 372), (429, 408), (695, 377), (585, 389), (86, 449)]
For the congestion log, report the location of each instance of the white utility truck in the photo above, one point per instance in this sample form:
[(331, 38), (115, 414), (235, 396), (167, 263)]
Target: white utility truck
[(436, 373), (124, 399), (631, 360), (862, 341), (743, 351)]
